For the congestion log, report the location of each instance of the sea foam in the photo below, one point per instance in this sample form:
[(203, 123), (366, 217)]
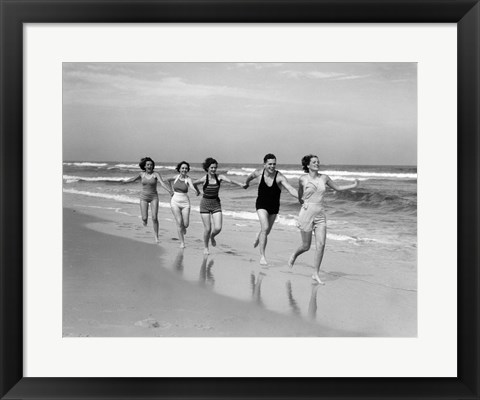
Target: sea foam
[(85, 164), (334, 175), (73, 178)]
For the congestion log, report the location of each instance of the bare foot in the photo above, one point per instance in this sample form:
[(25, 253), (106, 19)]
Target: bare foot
[(263, 261), (257, 240), (212, 239), (317, 279), (182, 245), (206, 252), (157, 240), (291, 260)]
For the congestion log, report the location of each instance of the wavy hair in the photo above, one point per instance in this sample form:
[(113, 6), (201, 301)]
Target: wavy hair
[(209, 161), (306, 160), (180, 164), (143, 162)]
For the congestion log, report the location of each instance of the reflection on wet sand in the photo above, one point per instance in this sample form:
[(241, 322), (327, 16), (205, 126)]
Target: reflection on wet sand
[(312, 304), (293, 303), (178, 262), (206, 276), (300, 302), (256, 284)]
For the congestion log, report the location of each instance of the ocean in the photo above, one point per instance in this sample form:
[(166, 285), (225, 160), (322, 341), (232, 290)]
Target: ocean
[(379, 216)]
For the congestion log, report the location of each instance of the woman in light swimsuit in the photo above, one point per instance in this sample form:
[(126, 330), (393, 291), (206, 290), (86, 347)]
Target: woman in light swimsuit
[(210, 206), (180, 202), (149, 194), (311, 191)]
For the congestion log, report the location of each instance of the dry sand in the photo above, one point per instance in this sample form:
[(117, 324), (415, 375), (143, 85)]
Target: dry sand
[(118, 283)]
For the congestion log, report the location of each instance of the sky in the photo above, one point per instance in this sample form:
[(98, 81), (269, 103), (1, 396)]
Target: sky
[(346, 113)]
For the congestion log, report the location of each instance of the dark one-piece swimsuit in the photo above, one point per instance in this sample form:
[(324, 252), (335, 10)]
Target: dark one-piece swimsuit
[(268, 196)]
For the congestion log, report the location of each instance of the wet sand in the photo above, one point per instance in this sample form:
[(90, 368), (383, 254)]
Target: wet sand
[(118, 283)]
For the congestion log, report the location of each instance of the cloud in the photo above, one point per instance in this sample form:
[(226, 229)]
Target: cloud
[(350, 77), (96, 86), (259, 66), (336, 76)]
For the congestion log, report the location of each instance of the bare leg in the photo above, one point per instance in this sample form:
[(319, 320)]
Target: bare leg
[(257, 240), (305, 246), (144, 212), (217, 226), (154, 207), (266, 224), (320, 237), (177, 213), (207, 231), (186, 219)]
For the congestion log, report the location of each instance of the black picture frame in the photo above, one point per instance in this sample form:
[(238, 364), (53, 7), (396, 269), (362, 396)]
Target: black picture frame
[(14, 13)]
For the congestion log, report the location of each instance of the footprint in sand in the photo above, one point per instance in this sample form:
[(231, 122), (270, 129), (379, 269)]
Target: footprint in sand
[(203, 327), (91, 322), (152, 323)]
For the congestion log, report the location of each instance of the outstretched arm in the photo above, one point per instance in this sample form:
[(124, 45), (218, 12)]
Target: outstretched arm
[(169, 182), (191, 185), (339, 188), (224, 178), (251, 177), (163, 184), (198, 182), (132, 179), (284, 182)]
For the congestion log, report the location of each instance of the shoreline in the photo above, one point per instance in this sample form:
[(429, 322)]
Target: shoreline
[(117, 282)]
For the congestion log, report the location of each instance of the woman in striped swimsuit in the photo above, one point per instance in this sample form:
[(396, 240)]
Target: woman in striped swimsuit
[(149, 194), (210, 206), (180, 202)]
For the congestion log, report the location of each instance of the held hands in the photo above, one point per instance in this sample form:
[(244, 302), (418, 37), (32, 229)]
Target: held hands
[(245, 185)]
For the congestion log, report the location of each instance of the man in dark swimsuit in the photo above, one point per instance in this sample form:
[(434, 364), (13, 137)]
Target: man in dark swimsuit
[(268, 200)]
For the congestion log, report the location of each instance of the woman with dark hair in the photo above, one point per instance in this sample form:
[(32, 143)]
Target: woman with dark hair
[(149, 194), (210, 206), (180, 202), (311, 191)]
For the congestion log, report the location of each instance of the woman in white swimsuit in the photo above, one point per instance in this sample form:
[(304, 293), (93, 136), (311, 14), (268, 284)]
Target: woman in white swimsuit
[(311, 191), (180, 202), (149, 194)]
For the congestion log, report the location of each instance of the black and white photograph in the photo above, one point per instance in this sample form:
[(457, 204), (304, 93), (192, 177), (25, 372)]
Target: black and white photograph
[(227, 199)]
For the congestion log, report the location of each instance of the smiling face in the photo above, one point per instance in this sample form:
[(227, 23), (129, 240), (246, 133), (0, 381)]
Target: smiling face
[(183, 169), (149, 166), (314, 164), (212, 169), (270, 165)]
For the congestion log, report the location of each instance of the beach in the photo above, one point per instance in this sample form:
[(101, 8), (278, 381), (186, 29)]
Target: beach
[(118, 283)]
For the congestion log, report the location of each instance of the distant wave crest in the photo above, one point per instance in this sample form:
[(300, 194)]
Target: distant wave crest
[(334, 175), (85, 164), (73, 178)]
